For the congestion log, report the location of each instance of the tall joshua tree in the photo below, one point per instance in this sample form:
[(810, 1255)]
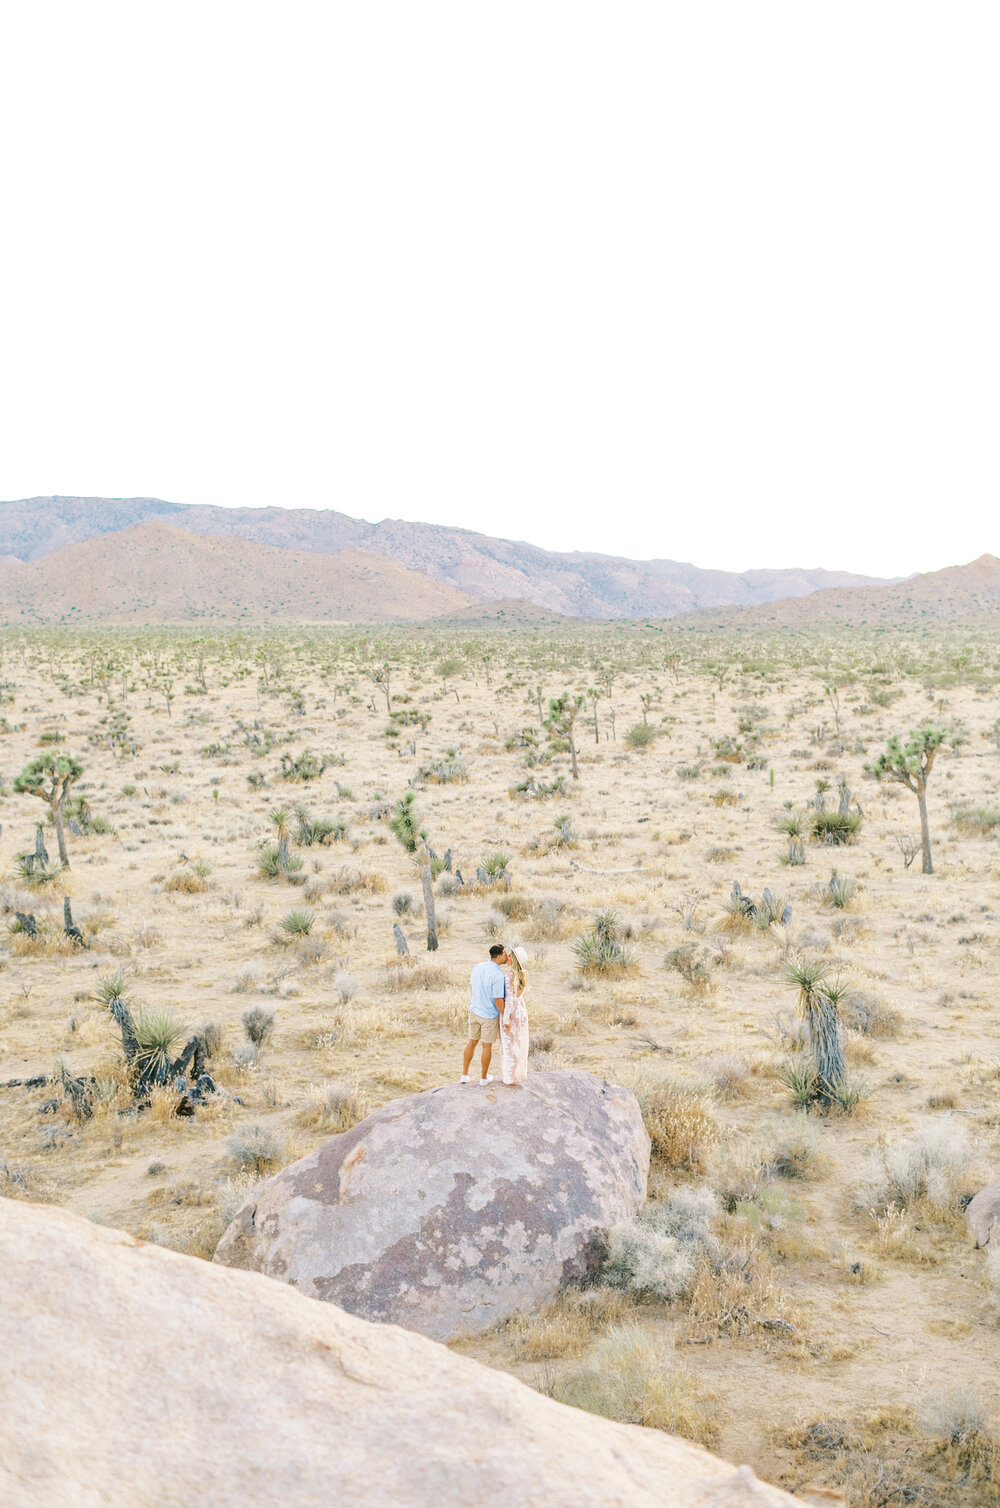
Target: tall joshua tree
[(563, 712), (405, 825), (50, 777), (910, 764)]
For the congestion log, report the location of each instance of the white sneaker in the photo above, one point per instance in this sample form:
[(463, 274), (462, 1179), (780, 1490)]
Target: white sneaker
[(488, 1079), (464, 1079)]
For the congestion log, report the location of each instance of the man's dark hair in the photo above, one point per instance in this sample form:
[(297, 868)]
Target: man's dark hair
[(496, 950)]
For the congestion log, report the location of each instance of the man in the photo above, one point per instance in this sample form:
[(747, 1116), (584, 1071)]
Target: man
[(485, 1009)]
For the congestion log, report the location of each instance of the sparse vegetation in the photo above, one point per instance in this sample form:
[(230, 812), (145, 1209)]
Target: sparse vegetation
[(648, 967)]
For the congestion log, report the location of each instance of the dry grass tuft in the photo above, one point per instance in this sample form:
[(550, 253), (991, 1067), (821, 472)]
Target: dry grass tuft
[(679, 1119), (631, 1377), (333, 1107), (416, 975)]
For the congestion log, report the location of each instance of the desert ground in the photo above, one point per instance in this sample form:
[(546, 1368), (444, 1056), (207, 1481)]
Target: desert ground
[(234, 859)]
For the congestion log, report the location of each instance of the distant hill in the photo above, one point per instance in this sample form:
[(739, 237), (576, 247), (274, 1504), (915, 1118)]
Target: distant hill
[(510, 612), (481, 566), (155, 573), (955, 594)]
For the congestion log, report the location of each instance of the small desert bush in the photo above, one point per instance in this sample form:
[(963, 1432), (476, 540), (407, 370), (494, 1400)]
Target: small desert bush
[(333, 1107), (258, 1023), (694, 966), (234, 1193), (868, 1015), (724, 795), (416, 975), (641, 736), (449, 769), (679, 1120), (402, 903), (547, 922), (567, 1326), (348, 881), (734, 1292), (345, 985), (730, 1072), (257, 1149), (796, 1151), (247, 981), (516, 908), (655, 1254), (976, 821), (631, 1377), (192, 879), (926, 1169)]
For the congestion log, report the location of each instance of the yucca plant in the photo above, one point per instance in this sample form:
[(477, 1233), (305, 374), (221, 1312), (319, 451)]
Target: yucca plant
[(819, 1001), (841, 890), (836, 827), (299, 921), (603, 950), (157, 1031), (799, 1077), (497, 865)]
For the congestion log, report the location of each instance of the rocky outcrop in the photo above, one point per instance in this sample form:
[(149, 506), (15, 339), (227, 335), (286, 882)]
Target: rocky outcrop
[(138, 1378), (983, 1215), (447, 1211)]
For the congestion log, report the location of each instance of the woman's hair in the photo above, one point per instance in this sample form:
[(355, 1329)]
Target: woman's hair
[(517, 970)]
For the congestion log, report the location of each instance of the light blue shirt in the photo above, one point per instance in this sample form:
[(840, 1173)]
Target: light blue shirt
[(488, 983)]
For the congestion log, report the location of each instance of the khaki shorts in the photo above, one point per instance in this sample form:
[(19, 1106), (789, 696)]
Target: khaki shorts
[(483, 1031)]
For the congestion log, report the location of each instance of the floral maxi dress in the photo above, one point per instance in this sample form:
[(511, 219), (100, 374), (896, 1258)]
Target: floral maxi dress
[(514, 1036)]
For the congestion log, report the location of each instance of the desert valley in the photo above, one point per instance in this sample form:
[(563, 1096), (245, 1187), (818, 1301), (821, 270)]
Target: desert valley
[(292, 769)]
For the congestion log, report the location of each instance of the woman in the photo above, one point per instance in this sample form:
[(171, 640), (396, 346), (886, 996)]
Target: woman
[(514, 1024)]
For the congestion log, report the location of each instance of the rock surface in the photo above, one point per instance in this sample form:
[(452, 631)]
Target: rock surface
[(138, 1378), (447, 1211), (983, 1215)]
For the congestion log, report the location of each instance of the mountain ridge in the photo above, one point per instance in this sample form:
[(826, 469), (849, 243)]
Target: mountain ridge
[(153, 572), (483, 567), (950, 595)]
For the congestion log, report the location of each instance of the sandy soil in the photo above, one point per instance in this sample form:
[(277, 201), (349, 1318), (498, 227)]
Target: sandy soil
[(644, 836)]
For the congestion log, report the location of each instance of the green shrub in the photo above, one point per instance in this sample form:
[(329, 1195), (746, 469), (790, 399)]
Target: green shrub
[(641, 735), (299, 921), (976, 821), (835, 827)]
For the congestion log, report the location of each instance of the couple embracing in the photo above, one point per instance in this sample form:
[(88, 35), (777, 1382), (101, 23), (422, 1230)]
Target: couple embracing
[(497, 1013)]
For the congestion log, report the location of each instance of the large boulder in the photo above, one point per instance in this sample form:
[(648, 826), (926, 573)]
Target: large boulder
[(983, 1215), (448, 1210), (138, 1378)]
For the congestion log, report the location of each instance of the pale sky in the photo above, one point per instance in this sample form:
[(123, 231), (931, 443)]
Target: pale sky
[(711, 281)]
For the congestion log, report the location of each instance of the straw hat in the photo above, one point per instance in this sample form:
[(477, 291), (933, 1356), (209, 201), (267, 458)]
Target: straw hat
[(521, 954)]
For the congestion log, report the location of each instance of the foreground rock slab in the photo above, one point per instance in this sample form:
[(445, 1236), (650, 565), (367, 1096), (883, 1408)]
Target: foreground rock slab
[(137, 1378), (447, 1211), (983, 1215)]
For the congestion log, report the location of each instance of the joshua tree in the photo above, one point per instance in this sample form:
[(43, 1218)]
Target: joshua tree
[(404, 823), (595, 696), (50, 777), (380, 676), (563, 712), (910, 764)]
